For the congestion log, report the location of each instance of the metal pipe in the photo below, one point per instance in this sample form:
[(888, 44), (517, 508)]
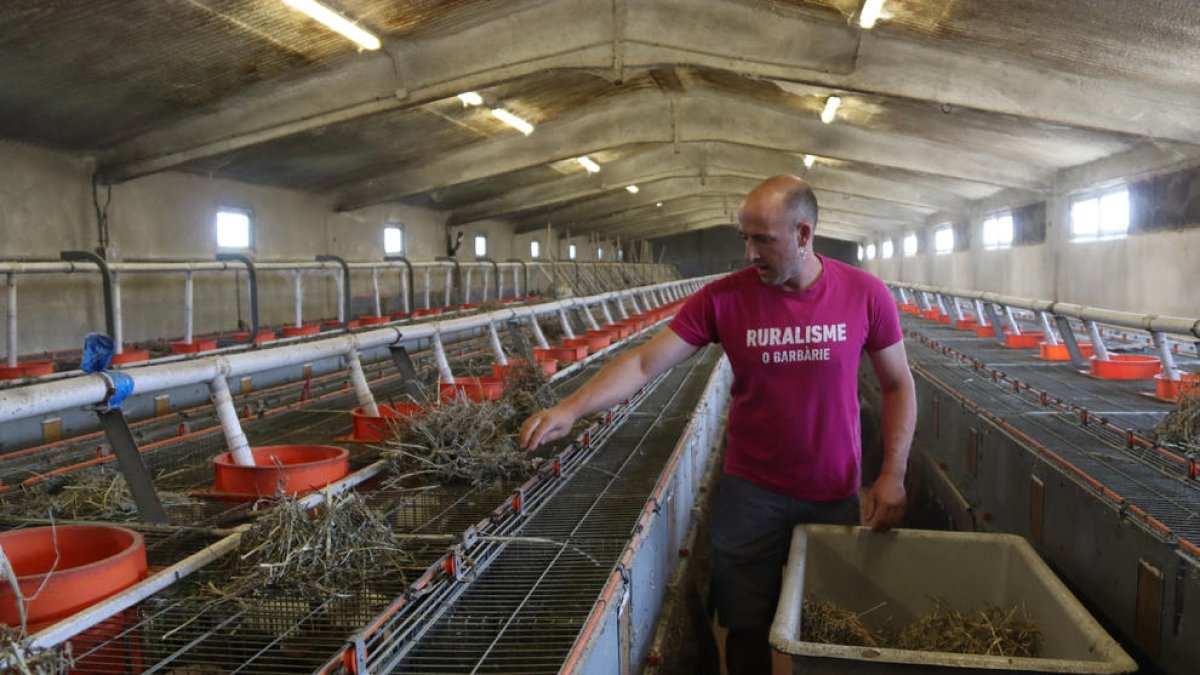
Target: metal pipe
[(106, 278), (344, 285), (538, 335), (467, 285), (523, 284), (22, 402), (375, 291), (940, 304), (566, 325), (445, 374), (1012, 320), (453, 280), (118, 335), (10, 322), (358, 380), (495, 271), (1097, 342), (428, 283), (608, 320), (298, 294), (1163, 344), (251, 286), (406, 282), (981, 315), (497, 348), (591, 320), (235, 438), (188, 308), (1047, 329), (957, 305)]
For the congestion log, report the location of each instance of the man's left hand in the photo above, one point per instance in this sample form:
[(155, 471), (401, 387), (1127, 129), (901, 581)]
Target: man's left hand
[(885, 504)]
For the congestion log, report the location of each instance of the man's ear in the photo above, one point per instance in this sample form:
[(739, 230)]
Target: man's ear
[(803, 234)]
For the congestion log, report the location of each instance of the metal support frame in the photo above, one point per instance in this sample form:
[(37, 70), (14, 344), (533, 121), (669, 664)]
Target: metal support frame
[(496, 274), (1068, 338), (454, 290), (106, 276), (345, 290), (251, 286), (524, 285), (406, 281), (133, 468), (994, 319)]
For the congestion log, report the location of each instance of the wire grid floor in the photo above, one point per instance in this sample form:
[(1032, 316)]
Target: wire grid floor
[(1143, 478)]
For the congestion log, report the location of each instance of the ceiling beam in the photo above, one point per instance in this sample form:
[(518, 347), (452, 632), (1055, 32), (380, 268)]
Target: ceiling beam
[(789, 44), (697, 115)]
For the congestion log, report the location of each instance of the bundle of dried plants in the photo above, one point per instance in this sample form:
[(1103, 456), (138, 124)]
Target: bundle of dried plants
[(15, 651), (1181, 426), (990, 631), (101, 495)]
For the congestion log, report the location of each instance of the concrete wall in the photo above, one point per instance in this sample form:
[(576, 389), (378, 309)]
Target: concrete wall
[(1147, 271), (46, 207), (720, 249)]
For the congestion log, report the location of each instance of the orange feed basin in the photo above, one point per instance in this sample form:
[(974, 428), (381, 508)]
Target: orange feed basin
[(932, 314), (944, 318), (561, 354), (27, 369), (473, 388), (1171, 390), (290, 469), (1126, 367), (1027, 340), (594, 344), (306, 329), (965, 324), (618, 330), (263, 336), (64, 569), (549, 367), (376, 428), (396, 316), (131, 356), (910, 308), (372, 320), (1059, 351), (985, 331), (193, 347)]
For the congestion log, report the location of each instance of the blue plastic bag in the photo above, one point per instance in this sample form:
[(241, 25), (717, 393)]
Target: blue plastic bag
[(98, 350)]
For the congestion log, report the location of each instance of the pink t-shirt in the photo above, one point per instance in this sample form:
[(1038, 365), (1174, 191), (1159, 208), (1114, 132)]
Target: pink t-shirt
[(794, 418)]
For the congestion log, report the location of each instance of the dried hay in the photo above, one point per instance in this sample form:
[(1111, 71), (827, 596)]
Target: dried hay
[(102, 495), (990, 631), (1181, 426), (15, 651)]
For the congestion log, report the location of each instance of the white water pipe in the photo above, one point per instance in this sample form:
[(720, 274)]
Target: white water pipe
[(10, 321), (188, 308), (358, 380), (497, 348), (235, 438)]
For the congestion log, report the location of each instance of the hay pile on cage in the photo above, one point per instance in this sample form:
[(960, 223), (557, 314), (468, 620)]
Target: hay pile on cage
[(1181, 426), (988, 631), (474, 441), (15, 651), (102, 495)]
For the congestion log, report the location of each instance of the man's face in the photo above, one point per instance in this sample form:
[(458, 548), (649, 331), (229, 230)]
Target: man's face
[(772, 245)]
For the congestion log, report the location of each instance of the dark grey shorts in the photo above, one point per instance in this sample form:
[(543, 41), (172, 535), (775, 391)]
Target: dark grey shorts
[(751, 535)]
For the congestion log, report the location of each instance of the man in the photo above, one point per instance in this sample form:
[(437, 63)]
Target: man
[(794, 326)]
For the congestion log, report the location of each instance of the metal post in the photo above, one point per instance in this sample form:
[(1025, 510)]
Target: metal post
[(188, 308), (607, 315), (251, 286), (1097, 342), (467, 286), (407, 283), (133, 466), (358, 380), (621, 308), (1068, 338), (941, 305), (343, 285), (497, 348), (957, 305), (566, 325), (298, 293), (118, 329), (375, 290), (1047, 330), (903, 296), (1012, 320), (1163, 344), (106, 279), (235, 438), (439, 356), (11, 321), (538, 335), (591, 320), (428, 283), (980, 314)]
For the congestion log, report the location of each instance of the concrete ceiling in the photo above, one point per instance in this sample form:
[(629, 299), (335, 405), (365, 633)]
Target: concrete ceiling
[(943, 103)]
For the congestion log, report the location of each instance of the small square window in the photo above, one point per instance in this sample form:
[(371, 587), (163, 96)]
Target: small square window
[(480, 246), (943, 240), (571, 251), (1102, 215), (393, 239), (998, 231), (870, 251), (887, 249), (535, 249), (233, 228), (600, 253), (860, 252), (910, 245)]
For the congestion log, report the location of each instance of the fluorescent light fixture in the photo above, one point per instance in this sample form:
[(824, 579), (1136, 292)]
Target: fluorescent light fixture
[(632, 189), (831, 106), (470, 98), (809, 160), (335, 21), (512, 120), (870, 13), (587, 163), (658, 204)]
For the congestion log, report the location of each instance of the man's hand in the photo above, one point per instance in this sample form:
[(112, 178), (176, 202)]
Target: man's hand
[(885, 504), (548, 425)]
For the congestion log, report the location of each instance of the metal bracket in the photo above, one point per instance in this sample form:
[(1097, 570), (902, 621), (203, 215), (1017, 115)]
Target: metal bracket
[(116, 428), (1068, 338), (994, 319), (408, 372)]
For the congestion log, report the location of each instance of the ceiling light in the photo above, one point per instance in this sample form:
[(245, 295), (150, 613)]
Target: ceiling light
[(831, 106), (809, 160), (658, 204), (587, 163), (632, 189), (470, 98), (335, 21), (869, 13), (512, 120)]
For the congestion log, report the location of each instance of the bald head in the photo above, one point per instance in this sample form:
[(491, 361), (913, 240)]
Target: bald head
[(788, 197)]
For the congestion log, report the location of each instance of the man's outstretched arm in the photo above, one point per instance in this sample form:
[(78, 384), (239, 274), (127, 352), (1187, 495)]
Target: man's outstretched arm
[(886, 499), (614, 383)]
